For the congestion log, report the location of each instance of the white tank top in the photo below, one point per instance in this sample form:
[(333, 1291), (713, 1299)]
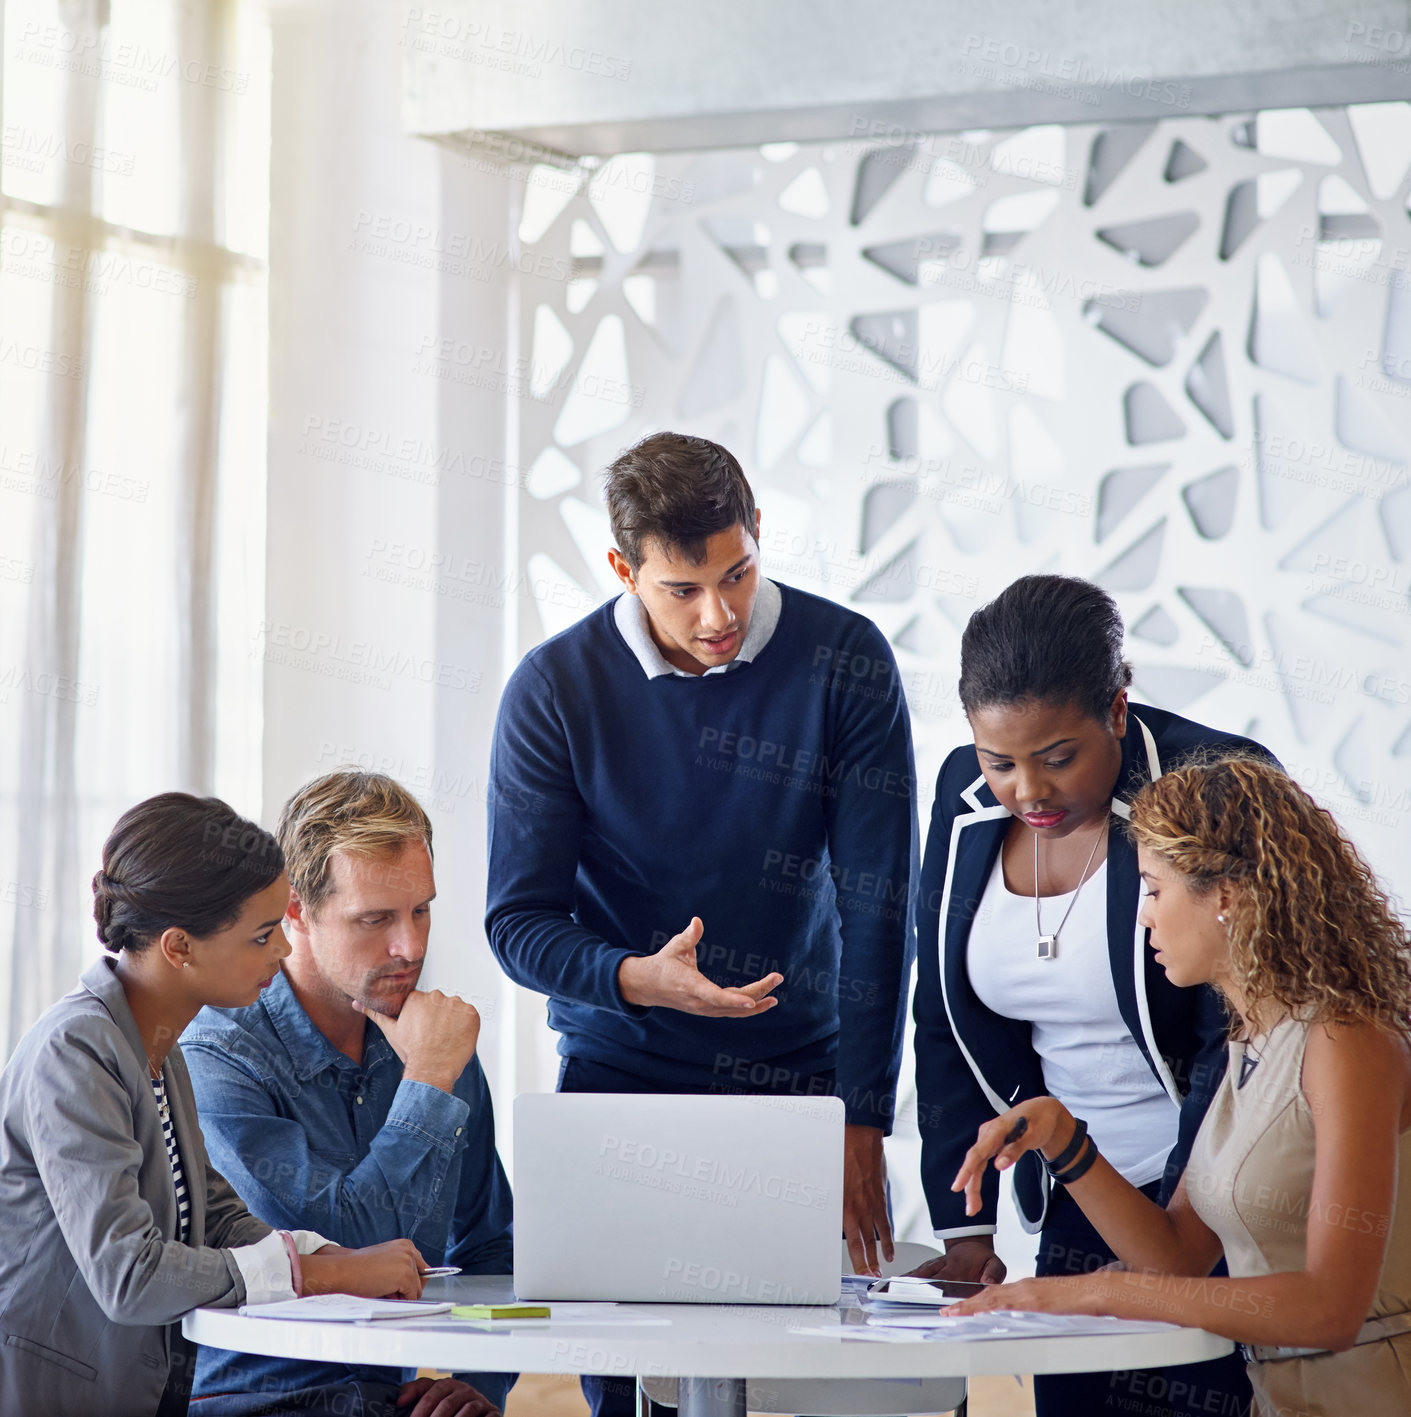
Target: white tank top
[(1090, 1061)]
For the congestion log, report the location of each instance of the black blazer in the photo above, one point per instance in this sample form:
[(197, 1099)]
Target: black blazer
[(972, 1063)]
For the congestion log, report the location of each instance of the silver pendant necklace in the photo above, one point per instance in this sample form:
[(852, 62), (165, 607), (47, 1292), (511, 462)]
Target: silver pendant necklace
[(1048, 944)]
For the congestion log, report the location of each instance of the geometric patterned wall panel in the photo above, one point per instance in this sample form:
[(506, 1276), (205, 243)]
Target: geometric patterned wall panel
[(1174, 357)]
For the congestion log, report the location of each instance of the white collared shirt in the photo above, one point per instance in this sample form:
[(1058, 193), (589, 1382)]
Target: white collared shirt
[(631, 617)]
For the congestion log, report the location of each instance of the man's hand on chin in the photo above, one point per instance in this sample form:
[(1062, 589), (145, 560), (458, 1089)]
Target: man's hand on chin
[(434, 1034)]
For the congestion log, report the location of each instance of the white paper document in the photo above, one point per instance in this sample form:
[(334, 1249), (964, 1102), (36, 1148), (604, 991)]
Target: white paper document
[(1009, 1324), (910, 1289), (862, 1333), (343, 1308)]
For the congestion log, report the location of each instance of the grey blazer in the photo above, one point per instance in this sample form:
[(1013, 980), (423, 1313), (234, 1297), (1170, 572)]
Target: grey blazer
[(91, 1275)]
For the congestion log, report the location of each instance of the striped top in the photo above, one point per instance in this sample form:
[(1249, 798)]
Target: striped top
[(178, 1176)]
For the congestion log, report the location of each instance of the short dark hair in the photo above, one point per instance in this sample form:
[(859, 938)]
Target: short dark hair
[(676, 489), (179, 861), (1052, 638)]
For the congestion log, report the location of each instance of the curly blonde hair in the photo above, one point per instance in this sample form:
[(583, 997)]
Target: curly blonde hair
[(1310, 929)]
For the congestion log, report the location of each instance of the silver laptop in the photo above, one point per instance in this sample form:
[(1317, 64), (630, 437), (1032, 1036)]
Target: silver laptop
[(678, 1199)]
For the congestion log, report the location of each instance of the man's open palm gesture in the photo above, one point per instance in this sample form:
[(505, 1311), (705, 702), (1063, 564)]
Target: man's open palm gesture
[(670, 979)]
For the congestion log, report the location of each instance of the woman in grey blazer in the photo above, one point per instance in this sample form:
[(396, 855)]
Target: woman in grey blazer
[(113, 1224)]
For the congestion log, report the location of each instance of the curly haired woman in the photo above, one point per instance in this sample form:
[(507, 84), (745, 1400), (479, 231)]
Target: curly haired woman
[(1301, 1172)]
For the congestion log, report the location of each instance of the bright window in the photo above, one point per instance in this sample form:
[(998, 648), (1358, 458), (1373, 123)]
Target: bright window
[(134, 218)]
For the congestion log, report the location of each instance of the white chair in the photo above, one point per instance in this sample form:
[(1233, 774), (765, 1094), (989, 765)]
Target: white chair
[(845, 1397)]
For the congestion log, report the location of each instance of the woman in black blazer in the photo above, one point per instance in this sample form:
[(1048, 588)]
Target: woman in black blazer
[(1036, 809)]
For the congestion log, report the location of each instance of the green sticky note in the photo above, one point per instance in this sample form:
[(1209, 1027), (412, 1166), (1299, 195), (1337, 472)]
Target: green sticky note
[(500, 1311)]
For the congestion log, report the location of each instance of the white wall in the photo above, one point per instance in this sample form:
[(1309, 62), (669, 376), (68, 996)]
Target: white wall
[(382, 645)]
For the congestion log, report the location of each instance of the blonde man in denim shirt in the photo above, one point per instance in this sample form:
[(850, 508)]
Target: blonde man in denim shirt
[(348, 1100)]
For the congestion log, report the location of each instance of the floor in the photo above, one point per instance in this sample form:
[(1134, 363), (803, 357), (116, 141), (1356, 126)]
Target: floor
[(538, 1396)]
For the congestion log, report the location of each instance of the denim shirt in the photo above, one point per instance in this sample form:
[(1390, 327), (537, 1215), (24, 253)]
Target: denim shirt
[(312, 1140)]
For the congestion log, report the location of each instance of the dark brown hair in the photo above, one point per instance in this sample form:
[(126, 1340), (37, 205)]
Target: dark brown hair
[(1310, 929), (677, 490), (179, 861)]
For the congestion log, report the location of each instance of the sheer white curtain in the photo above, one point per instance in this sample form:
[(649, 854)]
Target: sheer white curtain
[(133, 229)]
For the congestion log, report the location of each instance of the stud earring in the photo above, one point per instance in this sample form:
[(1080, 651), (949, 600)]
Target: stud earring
[(1221, 919)]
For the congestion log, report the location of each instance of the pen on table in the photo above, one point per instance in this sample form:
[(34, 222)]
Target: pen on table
[(1016, 1131), (440, 1271)]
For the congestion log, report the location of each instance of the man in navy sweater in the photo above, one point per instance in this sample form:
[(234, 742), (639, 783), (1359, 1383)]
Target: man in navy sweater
[(703, 824)]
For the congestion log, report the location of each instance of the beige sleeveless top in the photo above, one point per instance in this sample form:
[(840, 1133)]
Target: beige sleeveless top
[(1250, 1179)]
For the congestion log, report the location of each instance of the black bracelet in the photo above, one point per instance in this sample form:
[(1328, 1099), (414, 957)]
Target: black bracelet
[(1079, 1168), (1070, 1153)]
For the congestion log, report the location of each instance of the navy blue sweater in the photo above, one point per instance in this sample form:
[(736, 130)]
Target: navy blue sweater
[(776, 801)]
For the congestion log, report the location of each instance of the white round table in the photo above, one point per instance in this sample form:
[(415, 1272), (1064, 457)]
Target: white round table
[(723, 1344)]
